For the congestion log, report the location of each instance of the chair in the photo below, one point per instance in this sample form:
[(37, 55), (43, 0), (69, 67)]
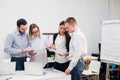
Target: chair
[(93, 71)]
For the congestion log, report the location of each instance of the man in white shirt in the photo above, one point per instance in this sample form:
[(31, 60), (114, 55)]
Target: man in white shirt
[(78, 49)]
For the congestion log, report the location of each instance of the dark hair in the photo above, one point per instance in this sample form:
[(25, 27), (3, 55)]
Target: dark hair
[(71, 20), (21, 22), (62, 23), (67, 36)]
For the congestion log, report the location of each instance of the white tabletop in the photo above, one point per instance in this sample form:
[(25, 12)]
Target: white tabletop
[(49, 74)]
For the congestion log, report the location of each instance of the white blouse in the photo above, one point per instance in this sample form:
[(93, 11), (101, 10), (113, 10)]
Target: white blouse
[(39, 45), (60, 44)]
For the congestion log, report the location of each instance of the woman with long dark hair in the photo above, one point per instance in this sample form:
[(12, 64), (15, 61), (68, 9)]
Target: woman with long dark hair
[(61, 45)]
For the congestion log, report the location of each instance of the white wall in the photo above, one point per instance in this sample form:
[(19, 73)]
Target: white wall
[(48, 13), (114, 9)]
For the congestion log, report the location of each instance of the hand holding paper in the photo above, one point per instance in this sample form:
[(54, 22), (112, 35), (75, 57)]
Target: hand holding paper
[(31, 52)]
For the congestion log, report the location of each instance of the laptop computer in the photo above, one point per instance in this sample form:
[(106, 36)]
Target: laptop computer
[(7, 68), (34, 68)]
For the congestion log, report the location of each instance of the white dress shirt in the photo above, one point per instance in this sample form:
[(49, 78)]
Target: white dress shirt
[(78, 47), (39, 45), (60, 44)]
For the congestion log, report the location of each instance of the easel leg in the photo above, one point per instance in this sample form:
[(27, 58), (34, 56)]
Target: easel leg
[(107, 72)]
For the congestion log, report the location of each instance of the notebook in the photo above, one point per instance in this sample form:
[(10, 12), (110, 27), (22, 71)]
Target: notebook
[(7, 68), (33, 68)]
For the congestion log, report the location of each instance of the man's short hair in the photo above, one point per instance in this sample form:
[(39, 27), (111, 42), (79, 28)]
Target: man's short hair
[(71, 20), (21, 22)]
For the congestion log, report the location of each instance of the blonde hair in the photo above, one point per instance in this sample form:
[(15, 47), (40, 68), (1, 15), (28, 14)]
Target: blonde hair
[(31, 27)]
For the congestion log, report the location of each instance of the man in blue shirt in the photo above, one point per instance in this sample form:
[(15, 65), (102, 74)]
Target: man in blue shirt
[(17, 43)]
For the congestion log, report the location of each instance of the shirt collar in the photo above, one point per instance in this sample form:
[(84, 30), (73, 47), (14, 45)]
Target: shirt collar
[(18, 33), (76, 30)]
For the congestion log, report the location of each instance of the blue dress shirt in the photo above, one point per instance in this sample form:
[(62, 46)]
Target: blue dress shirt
[(14, 42)]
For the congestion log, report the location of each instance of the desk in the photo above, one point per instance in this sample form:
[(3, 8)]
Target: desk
[(48, 75), (88, 59)]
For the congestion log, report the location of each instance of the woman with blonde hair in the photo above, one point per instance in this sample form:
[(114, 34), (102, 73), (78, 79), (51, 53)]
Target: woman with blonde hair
[(38, 43)]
